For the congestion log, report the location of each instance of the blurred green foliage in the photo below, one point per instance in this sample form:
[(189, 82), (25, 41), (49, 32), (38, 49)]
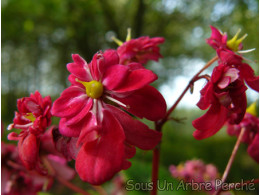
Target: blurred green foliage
[(38, 38)]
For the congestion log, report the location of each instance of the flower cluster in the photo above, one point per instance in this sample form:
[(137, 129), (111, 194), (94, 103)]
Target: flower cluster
[(93, 109), (196, 171), (33, 117), (17, 179), (224, 94)]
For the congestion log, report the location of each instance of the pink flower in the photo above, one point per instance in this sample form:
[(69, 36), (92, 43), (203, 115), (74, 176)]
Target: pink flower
[(15, 179), (225, 94), (140, 50), (91, 109), (251, 135), (33, 117), (196, 171)]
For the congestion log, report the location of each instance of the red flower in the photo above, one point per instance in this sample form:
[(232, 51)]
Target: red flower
[(220, 40), (33, 117), (140, 50), (251, 135), (106, 134), (225, 94), (246, 73), (217, 39)]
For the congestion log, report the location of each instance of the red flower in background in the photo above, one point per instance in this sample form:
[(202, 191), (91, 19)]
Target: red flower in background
[(33, 117), (225, 94), (219, 40), (251, 135), (15, 178), (91, 109), (140, 50)]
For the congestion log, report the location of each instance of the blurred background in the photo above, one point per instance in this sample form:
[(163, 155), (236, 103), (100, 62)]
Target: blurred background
[(38, 38)]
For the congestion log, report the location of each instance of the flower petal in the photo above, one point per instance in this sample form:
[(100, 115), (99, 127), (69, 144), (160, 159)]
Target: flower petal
[(99, 160), (253, 148), (114, 76), (248, 74), (146, 102), (28, 151), (71, 101), (211, 122), (136, 132), (79, 68), (136, 80)]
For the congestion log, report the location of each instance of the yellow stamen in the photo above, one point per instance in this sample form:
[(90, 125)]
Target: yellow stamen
[(117, 41), (234, 43), (30, 116), (252, 109), (128, 36), (94, 89)]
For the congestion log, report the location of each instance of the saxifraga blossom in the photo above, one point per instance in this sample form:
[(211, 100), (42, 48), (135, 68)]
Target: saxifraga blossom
[(33, 117), (225, 97), (225, 91), (140, 50), (93, 109)]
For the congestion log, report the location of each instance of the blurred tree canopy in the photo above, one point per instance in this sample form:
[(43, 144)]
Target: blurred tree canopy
[(38, 38)]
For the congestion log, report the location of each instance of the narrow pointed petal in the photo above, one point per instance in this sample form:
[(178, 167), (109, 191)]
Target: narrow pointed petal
[(136, 132), (146, 102), (99, 160)]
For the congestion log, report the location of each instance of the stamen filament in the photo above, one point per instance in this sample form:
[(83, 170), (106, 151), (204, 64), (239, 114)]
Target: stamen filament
[(117, 41), (128, 37), (117, 102)]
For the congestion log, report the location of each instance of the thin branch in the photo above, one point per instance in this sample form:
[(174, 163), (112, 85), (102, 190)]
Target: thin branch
[(231, 159)]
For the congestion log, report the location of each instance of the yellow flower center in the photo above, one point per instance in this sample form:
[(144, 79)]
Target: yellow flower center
[(94, 89), (234, 43), (30, 116)]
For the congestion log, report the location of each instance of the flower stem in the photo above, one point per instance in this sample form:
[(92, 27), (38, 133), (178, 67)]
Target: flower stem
[(194, 78), (159, 124), (231, 159), (155, 170)]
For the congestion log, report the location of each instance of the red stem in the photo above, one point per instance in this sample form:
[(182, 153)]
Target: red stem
[(159, 124), (194, 78), (231, 159), (155, 170)]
